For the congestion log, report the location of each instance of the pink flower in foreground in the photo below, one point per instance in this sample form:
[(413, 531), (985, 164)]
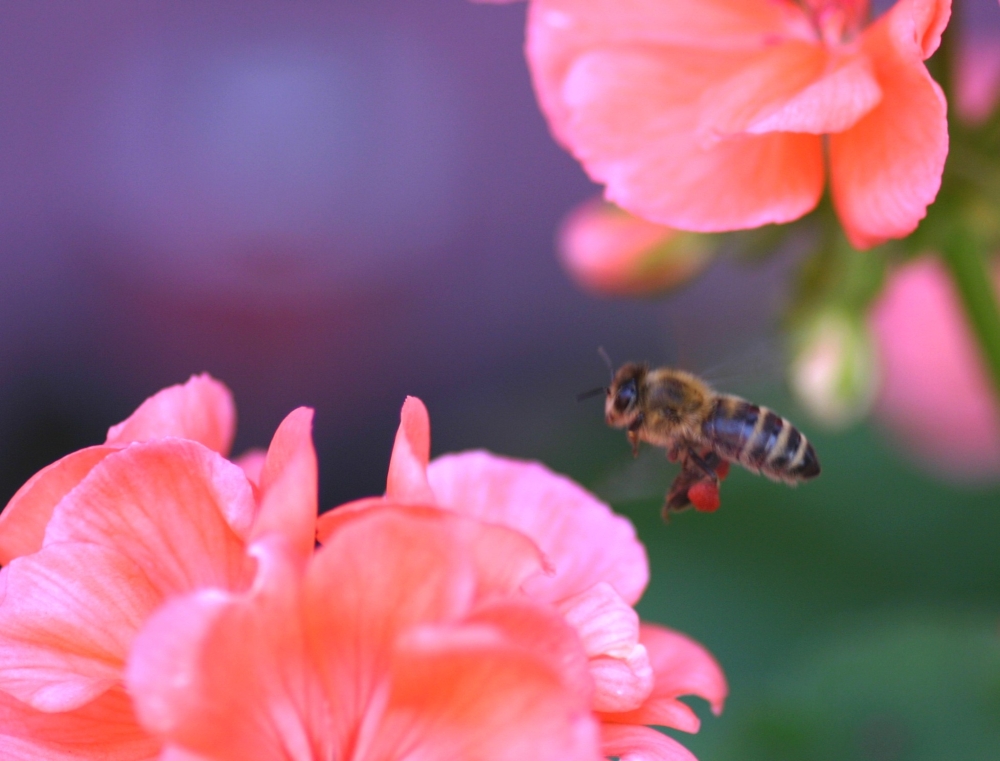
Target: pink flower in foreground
[(610, 252), (936, 398), (404, 637), (711, 115), (598, 571), (94, 543)]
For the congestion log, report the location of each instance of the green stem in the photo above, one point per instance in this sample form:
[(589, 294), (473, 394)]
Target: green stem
[(975, 288)]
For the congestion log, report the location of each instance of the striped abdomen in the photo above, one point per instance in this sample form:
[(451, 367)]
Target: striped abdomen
[(759, 440)]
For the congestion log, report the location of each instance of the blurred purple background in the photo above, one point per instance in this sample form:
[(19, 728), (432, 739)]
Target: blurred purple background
[(323, 203)]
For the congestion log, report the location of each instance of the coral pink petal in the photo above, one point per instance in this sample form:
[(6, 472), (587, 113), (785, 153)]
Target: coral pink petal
[(567, 27), (621, 684), (177, 509), (634, 119), (886, 170), (147, 522), (796, 86), (632, 743), (935, 398), (289, 484), (252, 461), (381, 572), (608, 629), (407, 480), (175, 753), (462, 698), (584, 541), (102, 730), (67, 619), (661, 712), (681, 667), (329, 522), (23, 520), (604, 622), (544, 633), (923, 21), (225, 676), (201, 410)]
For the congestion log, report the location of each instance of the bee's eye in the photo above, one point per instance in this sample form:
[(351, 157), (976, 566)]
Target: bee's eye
[(625, 397)]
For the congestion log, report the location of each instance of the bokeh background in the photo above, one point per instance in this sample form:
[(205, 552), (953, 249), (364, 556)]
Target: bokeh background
[(337, 204)]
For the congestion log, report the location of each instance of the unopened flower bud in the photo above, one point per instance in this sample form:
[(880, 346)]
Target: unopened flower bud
[(612, 253), (833, 372)]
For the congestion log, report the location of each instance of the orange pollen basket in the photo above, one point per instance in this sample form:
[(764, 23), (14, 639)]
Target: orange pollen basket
[(704, 495)]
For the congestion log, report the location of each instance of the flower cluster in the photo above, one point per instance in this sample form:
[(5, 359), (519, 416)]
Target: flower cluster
[(712, 115), (162, 601)]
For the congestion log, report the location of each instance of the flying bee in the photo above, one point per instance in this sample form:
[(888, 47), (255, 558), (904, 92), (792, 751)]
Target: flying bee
[(704, 431)]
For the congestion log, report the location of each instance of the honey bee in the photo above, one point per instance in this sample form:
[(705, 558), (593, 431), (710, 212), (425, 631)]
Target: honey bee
[(704, 431)]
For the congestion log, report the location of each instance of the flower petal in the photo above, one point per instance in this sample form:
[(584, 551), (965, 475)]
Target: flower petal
[(102, 730), (886, 169), (681, 667), (289, 484), (175, 753), (23, 520), (634, 120), (201, 410), (608, 628), (407, 480), (632, 743), (65, 634), (381, 572), (796, 86), (621, 684), (174, 507), (922, 21), (605, 623), (545, 634), (225, 676), (456, 698), (252, 461), (580, 535)]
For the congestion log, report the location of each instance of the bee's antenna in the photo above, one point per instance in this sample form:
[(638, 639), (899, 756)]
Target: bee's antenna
[(592, 393), (607, 361)]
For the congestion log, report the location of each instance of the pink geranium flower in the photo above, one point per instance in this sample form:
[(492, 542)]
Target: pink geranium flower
[(94, 543), (598, 570), (613, 253), (404, 637), (712, 115), (935, 399)]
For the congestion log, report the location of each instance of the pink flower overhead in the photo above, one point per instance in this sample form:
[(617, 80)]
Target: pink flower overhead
[(613, 253), (403, 637), (711, 115), (935, 399), (597, 571), (124, 527)]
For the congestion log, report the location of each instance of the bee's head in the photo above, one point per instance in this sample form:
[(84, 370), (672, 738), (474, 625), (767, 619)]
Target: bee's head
[(621, 407)]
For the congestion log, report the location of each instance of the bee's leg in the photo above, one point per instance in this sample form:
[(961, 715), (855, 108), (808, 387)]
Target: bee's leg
[(673, 452), (706, 464), (633, 434), (677, 497)]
